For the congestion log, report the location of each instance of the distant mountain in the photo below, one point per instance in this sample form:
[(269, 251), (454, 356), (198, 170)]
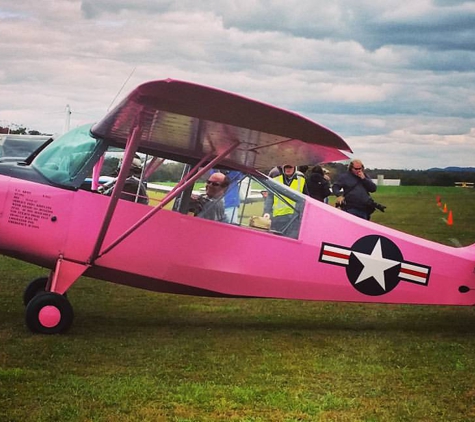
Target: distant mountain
[(453, 169)]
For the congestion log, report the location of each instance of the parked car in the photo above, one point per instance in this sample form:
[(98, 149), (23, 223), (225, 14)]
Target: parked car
[(20, 147)]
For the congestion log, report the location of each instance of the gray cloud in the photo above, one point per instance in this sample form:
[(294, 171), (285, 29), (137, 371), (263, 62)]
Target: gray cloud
[(381, 74), (92, 9), (373, 25)]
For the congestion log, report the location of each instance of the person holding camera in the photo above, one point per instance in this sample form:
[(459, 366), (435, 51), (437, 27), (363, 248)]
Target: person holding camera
[(352, 190)]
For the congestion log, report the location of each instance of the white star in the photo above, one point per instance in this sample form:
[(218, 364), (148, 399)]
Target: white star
[(374, 265)]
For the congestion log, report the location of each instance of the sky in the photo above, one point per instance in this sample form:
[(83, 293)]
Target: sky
[(394, 78)]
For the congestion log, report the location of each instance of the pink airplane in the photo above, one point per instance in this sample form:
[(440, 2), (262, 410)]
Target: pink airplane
[(53, 218)]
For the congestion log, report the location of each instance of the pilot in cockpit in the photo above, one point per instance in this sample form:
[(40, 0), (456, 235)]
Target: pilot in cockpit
[(211, 205), (135, 189)]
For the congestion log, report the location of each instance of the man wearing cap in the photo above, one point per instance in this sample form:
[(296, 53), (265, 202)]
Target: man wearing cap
[(135, 189), (281, 212)]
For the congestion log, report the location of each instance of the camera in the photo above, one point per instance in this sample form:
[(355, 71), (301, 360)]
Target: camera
[(340, 205), (373, 205)]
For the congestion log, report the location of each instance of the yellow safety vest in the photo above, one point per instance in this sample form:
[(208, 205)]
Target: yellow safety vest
[(283, 208)]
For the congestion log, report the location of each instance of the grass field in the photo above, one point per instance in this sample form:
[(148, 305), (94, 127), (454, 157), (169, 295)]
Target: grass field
[(132, 355), (414, 210)]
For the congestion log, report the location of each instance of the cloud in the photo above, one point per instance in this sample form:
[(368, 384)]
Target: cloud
[(393, 72)]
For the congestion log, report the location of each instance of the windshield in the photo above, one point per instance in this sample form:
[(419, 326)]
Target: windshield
[(68, 160)]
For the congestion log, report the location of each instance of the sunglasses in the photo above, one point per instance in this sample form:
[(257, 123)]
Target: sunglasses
[(357, 168), (209, 182)]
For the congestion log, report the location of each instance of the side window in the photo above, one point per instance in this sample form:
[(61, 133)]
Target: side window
[(261, 198), (249, 195), (135, 186), (246, 202)]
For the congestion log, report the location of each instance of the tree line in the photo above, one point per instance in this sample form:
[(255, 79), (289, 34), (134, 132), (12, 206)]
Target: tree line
[(430, 177), (19, 130), (172, 172)]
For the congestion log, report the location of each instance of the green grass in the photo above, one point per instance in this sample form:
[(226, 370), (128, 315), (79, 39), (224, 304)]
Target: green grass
[(133, 355), (414, 210)]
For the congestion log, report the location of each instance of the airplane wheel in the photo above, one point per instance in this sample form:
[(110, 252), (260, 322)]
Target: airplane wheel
[(49, 313), (38, 285)]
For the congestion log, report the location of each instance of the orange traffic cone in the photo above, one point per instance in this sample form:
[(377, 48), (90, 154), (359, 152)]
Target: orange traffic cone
[(445, 208), (450, 219)]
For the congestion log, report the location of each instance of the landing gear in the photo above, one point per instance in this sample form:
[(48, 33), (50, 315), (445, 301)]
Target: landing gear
[(49, 313), (36, 286)]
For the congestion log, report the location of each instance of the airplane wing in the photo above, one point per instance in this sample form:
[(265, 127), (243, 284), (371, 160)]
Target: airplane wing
[(185, 121)]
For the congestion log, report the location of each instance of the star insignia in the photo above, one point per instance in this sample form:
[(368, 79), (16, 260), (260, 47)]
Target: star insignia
[(374, 265)]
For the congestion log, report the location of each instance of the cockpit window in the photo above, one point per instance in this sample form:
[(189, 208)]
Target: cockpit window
[(256, 200), (65, 161), (249, 201)]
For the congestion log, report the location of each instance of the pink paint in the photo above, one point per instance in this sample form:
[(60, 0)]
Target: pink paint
[(49, 316)]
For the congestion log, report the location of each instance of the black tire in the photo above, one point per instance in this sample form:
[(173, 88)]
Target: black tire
[(49, 313), (38, 285)]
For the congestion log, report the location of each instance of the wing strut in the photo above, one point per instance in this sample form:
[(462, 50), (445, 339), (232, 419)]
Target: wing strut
[(131, 148), (192, 176)]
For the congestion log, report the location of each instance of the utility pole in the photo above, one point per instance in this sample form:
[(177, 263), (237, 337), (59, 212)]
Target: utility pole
[(67, 119)]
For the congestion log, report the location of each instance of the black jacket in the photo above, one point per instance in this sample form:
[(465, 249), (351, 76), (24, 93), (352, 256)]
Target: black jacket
[(355, 190), (318, 187)]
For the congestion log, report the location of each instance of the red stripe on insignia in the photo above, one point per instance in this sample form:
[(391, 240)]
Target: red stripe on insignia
[(336, 254), (414, 273)]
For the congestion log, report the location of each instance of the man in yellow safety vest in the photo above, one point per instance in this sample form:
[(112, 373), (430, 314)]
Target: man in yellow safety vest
[(281, 212)]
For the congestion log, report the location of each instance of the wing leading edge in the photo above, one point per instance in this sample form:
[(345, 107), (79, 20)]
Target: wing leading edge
[(185, 120)]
